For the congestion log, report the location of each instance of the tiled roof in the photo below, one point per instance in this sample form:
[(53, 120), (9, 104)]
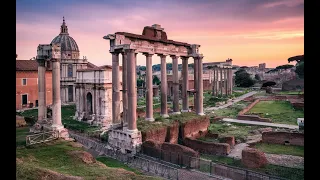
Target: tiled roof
[(137, 36), (90, 65), (27, 65)]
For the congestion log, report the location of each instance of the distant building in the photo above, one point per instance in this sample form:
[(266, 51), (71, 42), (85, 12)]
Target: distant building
[(262, 66), (27, 84)]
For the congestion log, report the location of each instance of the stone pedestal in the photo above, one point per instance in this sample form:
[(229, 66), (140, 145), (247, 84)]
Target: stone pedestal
[(128, 142)]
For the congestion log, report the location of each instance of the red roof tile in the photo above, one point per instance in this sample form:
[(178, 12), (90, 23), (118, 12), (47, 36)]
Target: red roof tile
[(27, 65)]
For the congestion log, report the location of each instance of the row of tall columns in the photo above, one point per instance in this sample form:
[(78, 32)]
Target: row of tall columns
[(222, 81), (129, 91)]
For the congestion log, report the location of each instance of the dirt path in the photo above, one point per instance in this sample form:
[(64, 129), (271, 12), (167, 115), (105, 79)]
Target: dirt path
[(261, 123), (285, 160)]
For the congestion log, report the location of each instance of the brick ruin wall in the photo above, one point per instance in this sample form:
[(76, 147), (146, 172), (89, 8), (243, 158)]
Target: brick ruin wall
[(292, 138), (207, 147), (174, 153), (195, 128)]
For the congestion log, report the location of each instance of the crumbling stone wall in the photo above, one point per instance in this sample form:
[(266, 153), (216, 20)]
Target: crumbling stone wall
[(207, 147), (253, 118), (174, 153), (158, 134), (246, 109), (173, 133), (253, 158), (292, 138), (195, 128)]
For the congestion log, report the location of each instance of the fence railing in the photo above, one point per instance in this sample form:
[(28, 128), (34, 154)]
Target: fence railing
[(41, 137), (207, 166)]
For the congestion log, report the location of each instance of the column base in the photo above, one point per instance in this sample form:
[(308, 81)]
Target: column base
[(149, 119), (201, 114), (164, 115), (128, 141), (174, 113), (186, 110)]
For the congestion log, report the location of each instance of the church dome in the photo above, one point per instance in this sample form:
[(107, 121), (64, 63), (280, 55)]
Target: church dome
[(67, 42)]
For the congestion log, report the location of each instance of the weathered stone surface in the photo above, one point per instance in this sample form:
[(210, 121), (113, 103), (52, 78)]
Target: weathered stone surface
[(229, 140), (195, 128), (158, 134), (253, 158), (262, 130), (20, 121), (173, 133), (207, 147), (292, 138)]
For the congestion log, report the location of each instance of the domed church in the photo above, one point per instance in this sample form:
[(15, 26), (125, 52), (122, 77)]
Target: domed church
[(70, 62)]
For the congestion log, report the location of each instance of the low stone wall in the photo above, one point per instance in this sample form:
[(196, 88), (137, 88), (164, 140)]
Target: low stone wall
[(207, 147), (229, 140), (253, 158), (246, 109), (158, 134), (291, 138), (195, 128), (253, 118), (174, 153)]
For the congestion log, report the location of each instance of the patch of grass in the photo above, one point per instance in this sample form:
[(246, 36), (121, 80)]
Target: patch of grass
[(290, 92), (116, 164), (239, 131), (275, 170), (231, 111), (159, 122), (281, 149), (55, 156), (21, 134), (279, 111)]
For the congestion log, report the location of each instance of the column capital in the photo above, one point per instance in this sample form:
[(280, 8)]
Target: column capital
[(162, 55), (129, 50), (41, 62), (148, 54), (184, 57), (174, 56), (115, 53)]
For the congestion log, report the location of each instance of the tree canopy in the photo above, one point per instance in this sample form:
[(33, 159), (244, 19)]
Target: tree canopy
[(243, 79)]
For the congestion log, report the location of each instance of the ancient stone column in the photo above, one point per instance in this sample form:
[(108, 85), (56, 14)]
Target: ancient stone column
[(225, 81), (195, 83), (42, 107), (124, 88), (185, 85), (115, 89), (149, 88), (213, 81), (56, 101), (132, 91), (221, 82), (164, 87), (217, 81), (231, 80), (200, 87), (175, 85)]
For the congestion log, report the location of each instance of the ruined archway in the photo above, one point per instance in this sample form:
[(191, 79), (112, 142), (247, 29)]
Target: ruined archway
[(89, 103)]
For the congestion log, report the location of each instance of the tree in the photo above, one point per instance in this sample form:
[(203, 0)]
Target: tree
[(286, 66), (257, 77), (299, 65), (156, 80), (243, 79), (139, 82), (142, 68)]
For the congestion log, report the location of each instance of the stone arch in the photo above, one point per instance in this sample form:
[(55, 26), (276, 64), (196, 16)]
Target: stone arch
[(89, 103)]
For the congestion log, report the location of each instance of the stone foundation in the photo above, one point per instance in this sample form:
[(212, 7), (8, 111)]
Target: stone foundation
[(195, 128), (253, 158), (46, 125), (207, 147), (125, 141), (291, 138)]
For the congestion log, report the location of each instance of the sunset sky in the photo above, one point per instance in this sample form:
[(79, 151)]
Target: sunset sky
[(248, 31)]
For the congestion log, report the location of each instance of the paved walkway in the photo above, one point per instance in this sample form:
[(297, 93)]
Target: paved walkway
[(240, 98), (260, 123)]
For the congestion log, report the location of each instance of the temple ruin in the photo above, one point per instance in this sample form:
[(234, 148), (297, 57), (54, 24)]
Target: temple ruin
[(153, 41)]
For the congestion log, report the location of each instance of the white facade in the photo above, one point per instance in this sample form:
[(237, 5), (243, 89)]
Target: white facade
[(94, 96)]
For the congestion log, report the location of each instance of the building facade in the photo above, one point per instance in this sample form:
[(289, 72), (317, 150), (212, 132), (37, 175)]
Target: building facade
[(94, 96), (70, 63), (27, 84)]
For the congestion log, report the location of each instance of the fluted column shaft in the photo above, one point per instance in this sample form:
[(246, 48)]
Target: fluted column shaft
[(42, 108), (200, 87), (149, 88), (124, 88), (164, 87), (185, 85), (56, 101), (175, 85), (195, 83), (132, 90), (115, 89)]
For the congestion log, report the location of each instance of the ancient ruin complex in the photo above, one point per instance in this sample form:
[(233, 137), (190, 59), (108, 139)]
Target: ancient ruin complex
[(153, 41)]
